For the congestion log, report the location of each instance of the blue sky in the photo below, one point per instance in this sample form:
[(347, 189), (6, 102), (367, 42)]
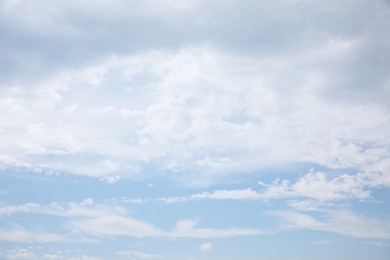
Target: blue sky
[(194, 129)]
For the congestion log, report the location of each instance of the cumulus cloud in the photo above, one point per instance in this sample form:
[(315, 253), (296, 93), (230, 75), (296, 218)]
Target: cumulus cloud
[(199, 93), (117, 117), (316, 185)]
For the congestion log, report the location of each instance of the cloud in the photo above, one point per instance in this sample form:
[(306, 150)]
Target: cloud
[(113, 226), (22, 236), (52, 257), (38, 252), (315, 185), (205, 247), (84, 257), (116, 226), (377, 244), (242, 194), (99, 220), (195, 94), (334, 220), (145, 97), (188, 229), (137, 255), (63, 36), (21, 253), (111, 179), (85, 208), (321, 242)]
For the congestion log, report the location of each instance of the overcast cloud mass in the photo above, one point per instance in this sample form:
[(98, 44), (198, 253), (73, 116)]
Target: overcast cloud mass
[(192, 129)]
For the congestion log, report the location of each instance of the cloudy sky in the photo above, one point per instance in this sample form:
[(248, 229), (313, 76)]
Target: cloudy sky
[(194, 129)]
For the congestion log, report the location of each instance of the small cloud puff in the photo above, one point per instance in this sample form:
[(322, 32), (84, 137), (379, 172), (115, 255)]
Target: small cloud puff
[(205, 247), (110, 179)]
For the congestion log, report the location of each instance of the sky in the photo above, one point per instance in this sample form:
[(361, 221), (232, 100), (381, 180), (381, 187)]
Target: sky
[(194, 129)]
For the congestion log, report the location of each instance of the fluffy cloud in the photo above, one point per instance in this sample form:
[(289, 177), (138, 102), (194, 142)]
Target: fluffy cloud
[(219, 129), (199, 93), (316, 185), (205, 102), (74, 32)]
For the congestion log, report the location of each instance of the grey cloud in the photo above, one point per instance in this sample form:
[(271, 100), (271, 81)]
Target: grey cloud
[(40, 37), (242, 84)]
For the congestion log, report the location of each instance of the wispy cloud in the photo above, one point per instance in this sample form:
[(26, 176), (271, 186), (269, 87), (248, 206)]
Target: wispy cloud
[(29, 236), (344, 222), (314, 185), (138, 255), (103, 221)]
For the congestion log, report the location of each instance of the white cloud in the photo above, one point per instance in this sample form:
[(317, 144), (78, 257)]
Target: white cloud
[(147, 96), (377, 244), (316, 185), (84, 257), (87, 202), (116, 226), (29, 236), (37, 253), (189, 229), (321, 242), (111, 179), (85, 208), (22, 253), (338, 221), (205, 247), (313, 185), (112, 226), (205, 93), (91, 218), (52, 257), (138, 255)]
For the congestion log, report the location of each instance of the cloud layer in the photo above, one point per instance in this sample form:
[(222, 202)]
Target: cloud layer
[(186, 113), (184, 123)]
